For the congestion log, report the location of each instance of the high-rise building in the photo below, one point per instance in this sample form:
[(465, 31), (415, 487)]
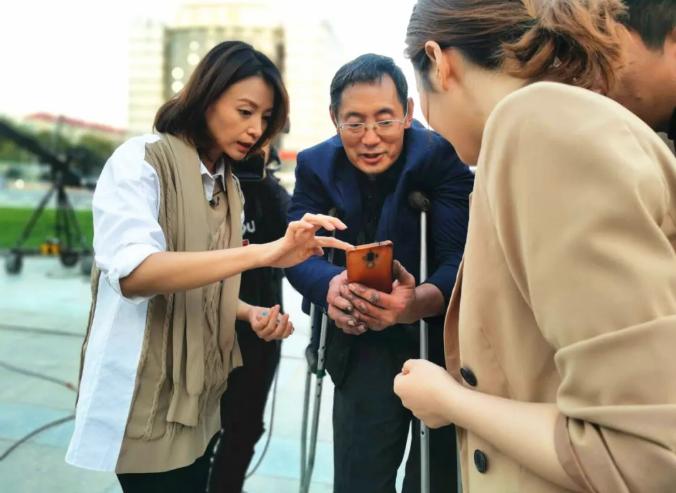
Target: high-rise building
[(201, 25), (313, 56), (146, 68), (304, 48)]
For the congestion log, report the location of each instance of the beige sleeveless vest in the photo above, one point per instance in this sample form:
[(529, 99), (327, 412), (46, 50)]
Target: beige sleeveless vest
[(190, 344)]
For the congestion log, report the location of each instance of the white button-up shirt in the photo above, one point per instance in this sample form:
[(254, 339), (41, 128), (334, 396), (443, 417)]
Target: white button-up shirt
[(126, 231)]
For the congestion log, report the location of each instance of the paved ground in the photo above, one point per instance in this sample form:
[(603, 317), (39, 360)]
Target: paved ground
[(48, 297)]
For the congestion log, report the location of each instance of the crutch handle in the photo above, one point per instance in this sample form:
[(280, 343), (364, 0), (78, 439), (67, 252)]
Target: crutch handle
[(419, 201)]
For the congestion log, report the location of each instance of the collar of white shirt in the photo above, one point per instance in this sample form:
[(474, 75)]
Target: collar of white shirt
[(208, 179)]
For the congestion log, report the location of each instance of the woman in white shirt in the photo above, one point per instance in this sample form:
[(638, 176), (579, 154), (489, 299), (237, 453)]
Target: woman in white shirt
[(168, 251)]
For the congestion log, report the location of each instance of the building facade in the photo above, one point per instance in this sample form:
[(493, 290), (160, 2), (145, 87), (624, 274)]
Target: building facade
[(305, 49)]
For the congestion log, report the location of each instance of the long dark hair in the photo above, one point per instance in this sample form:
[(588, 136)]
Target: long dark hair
[(226, 64), (570, 41)]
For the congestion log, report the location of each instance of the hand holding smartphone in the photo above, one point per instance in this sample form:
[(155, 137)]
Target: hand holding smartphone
[(371, 265)]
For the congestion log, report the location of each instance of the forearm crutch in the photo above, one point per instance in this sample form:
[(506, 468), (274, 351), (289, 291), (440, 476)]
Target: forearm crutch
[(308, 456), (306, 407), (421, 203)]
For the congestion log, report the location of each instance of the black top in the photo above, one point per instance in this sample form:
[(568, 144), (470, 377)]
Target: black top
[(374, 189), (265, 206)]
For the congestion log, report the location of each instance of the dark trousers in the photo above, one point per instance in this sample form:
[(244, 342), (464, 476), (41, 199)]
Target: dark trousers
[(370, 425), (242, 409), (189, 479)]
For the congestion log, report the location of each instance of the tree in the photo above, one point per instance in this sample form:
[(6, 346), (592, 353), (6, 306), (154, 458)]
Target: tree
[(10, 152), (91, 153), (86, 155)]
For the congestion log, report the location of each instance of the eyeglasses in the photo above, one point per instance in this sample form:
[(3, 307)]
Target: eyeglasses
[(382, 127)]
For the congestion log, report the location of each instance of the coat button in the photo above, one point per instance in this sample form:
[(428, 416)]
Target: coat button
[(480, 461), (468, 376)]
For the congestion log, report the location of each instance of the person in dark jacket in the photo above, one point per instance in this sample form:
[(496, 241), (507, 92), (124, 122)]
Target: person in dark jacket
[(366, 172), (243, 403)]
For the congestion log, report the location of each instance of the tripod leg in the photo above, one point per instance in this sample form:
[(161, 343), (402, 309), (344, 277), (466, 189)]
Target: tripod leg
[(28, 229), (68, 230), (61, 232), (74, 224), (66, 223)]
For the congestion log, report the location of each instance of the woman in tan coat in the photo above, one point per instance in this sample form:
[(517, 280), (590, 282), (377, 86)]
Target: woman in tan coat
[(561, 332)]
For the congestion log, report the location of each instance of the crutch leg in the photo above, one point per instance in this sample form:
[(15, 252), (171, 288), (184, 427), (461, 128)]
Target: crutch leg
[(303, 432), (318, 401), (309, 460), (421, 203), (306, 409)]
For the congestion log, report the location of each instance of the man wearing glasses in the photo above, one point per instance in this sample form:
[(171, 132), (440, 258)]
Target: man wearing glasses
[(366, 173)]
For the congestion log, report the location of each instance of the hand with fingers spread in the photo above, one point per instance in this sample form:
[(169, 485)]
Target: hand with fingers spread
[(301, 242), (340, 310), (269, 324), (378, 310), (428, 391)]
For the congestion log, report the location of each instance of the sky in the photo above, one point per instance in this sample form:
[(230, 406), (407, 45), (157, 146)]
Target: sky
[(70, 56)]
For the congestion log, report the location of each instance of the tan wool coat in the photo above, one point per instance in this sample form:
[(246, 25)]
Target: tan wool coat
[(567, 292)]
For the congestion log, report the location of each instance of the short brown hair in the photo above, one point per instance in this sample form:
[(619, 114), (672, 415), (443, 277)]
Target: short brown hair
[(226, 64), (570, 41)]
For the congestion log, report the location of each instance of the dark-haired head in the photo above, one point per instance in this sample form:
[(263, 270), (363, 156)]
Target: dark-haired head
[(228, 64), (371, 111), (367, 69), (647, 82), (653, 20)]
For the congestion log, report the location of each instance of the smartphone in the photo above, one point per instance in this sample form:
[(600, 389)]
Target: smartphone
[(371, 265)]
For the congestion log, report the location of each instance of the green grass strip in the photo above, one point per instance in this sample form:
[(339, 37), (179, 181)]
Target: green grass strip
[(14, 220)]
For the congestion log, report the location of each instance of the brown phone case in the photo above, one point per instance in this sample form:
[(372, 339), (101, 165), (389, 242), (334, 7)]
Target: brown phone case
[(371, 265)]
